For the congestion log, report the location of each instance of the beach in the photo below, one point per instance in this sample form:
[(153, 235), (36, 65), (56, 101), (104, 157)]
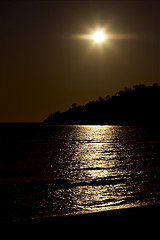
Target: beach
[(135, 223), (133, 217)]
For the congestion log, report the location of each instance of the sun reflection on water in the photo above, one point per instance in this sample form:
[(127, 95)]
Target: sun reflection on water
[(95, 160), (63, 170), (95, 144), (99, 168)]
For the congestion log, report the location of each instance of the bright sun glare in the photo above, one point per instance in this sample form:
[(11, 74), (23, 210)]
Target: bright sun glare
[(99, 36)]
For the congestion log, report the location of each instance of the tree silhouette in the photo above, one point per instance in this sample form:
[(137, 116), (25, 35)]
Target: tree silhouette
[(73, 105), (134, 106)]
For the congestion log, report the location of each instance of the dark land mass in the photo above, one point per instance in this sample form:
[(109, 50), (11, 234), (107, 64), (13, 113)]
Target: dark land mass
[(138, 105)]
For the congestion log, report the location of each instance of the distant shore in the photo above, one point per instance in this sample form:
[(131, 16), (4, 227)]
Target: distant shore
[(134, 106)]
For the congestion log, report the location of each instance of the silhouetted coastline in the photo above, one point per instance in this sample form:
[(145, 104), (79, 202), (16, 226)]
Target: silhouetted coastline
[(132, 106)]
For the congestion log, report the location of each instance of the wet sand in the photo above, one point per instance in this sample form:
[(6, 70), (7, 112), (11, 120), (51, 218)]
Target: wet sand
[(136, 216), (136, 222)]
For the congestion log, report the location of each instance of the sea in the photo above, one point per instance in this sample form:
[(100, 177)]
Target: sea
[(49, 171)]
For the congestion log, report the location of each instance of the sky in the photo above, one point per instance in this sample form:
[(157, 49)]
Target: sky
[(45, 66)]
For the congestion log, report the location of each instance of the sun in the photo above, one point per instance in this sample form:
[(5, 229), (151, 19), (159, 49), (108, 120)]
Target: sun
[(99, 36)]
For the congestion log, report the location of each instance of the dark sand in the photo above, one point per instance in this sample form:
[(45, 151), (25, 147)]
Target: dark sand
[(136, 215), (137, 223)]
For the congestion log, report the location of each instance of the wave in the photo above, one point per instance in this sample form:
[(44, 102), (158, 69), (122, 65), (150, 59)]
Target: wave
[(73, 183)]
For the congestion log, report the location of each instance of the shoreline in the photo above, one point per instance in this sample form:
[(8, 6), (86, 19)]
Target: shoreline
[(142, 214), (138, 222)]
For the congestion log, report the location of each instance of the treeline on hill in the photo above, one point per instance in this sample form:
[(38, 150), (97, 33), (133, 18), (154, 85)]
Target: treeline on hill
[(138, 105)]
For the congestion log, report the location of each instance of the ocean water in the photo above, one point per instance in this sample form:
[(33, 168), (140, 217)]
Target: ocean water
[(48, 171)]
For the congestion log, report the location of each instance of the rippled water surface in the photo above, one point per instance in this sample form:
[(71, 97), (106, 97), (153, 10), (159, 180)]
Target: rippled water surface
[(58, 170)]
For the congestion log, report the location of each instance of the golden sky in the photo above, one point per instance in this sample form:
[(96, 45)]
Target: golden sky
[(45, 66)]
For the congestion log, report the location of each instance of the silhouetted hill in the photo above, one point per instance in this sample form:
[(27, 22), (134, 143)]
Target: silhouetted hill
[(138, 105)]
